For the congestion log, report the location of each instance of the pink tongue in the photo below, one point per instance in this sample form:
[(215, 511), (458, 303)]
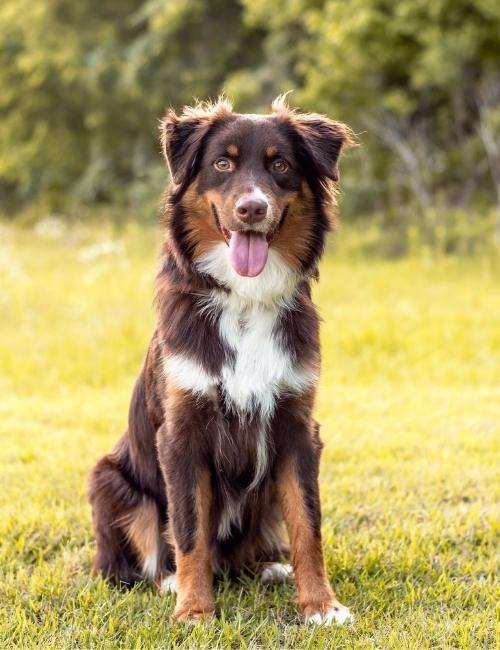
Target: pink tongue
[(248, 252)]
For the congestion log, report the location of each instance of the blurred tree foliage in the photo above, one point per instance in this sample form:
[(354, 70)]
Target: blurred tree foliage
[(82, 85)]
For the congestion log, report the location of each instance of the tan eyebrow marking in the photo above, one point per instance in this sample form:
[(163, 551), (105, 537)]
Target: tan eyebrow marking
[(271, 151), (232, 150)]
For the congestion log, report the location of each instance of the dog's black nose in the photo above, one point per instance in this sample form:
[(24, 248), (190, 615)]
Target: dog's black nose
[(251, 210)]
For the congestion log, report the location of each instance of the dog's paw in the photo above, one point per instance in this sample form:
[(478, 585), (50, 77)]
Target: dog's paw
[(194, 612), (169, 584), (276, 573), (334, 614)]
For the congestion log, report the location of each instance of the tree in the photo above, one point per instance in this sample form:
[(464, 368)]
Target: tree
[(409, 76), (83, 85)]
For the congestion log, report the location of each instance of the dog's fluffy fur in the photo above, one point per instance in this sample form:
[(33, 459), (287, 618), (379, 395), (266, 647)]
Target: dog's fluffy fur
[(221, 448)]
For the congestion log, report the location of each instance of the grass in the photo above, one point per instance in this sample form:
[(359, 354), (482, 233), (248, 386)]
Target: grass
[(410, 410)]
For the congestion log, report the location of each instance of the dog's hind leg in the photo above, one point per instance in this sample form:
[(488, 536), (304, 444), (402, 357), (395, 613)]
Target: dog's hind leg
[(272, 573), (142, 529), (127, 526)]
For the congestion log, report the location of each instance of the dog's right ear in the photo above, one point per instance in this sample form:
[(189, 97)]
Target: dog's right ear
[(182, 136), (181, 140)]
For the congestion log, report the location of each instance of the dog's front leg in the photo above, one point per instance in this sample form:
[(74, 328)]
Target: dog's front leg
[(298, 490), (189, 495)]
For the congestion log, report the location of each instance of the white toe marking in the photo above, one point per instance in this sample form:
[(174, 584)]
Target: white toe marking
[(169, 584), (338, 615), (275, 573)]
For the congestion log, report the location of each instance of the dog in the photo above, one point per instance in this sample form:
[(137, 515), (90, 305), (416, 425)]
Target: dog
[(222, 451)]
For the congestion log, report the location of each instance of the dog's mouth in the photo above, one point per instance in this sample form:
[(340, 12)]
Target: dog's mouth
[(248, 249)]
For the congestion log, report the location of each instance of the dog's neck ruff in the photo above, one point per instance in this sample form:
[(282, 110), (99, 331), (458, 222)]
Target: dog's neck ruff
[(274, 286), (248, 312)]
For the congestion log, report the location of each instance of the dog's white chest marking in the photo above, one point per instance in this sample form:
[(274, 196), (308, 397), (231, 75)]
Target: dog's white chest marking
[(259, 367)]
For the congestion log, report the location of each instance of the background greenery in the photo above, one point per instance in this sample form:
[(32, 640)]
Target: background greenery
[(409, 397), (83, 84)]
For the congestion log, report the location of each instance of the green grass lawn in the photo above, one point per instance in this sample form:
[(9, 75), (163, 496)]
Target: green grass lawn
[(410, 410)]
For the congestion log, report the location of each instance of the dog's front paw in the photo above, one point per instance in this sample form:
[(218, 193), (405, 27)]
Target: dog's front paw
[(193, 610), (331, 613)]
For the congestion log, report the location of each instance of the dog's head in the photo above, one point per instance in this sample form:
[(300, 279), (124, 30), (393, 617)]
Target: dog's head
[(253, 182)]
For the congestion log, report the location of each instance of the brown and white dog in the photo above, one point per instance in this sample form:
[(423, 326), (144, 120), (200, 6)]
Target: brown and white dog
[(221, 447)]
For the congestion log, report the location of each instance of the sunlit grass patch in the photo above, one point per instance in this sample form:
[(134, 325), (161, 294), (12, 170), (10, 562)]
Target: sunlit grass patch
[(410, 411)]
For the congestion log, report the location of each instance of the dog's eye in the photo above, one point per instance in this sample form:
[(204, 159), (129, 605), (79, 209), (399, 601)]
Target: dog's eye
[(223, 164), (279, 165)]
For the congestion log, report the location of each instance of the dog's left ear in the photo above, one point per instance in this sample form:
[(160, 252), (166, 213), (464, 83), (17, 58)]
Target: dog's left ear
[(323, 140), (182, 136)]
